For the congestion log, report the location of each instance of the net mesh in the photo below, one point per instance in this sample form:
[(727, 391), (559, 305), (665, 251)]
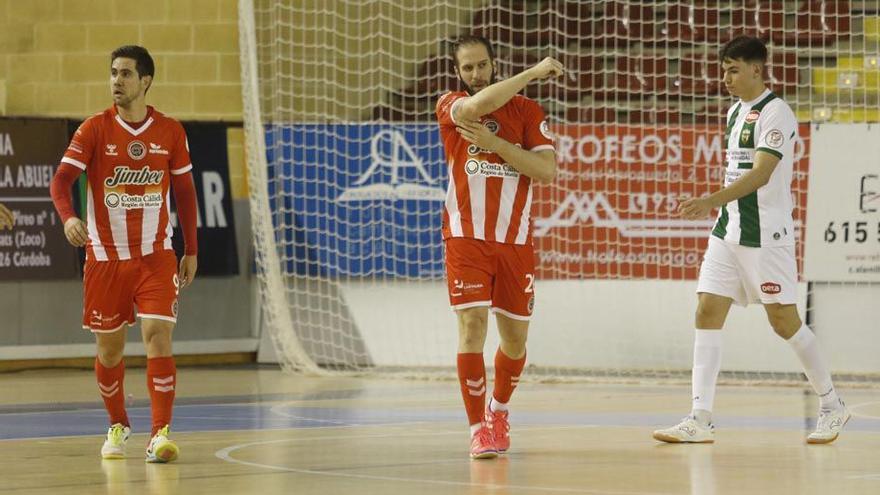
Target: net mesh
[(347, 175)]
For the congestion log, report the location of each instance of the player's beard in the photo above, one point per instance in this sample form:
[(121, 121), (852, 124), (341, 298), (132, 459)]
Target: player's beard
[(470, 91)]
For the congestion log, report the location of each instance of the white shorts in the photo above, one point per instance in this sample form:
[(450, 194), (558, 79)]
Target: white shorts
[(766, 275)]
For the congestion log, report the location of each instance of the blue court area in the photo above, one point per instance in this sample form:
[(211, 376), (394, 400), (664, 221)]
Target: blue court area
[(286, 411)]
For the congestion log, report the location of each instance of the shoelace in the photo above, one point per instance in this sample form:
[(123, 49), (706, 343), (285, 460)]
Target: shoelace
[(485, 436), (501, 424), (116, 435)]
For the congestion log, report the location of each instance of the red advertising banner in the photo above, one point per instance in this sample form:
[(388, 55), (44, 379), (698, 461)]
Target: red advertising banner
[(611, 212)]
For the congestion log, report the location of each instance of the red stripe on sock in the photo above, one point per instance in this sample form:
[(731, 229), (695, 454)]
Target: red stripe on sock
[(472, 368), (161, 390), (114, 396), (506, 370)]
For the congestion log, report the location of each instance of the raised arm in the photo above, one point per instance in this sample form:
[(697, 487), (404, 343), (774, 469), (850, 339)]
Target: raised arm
[(496, 95)]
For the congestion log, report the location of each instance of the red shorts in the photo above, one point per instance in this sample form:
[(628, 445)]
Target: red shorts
[(112, 289), (482, 273)]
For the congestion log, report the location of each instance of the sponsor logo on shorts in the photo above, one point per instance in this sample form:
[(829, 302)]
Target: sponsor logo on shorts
[(771, 288), (460, 287), (531, 304), (752, 117), (137, 150), (98, 320), (174, 308)]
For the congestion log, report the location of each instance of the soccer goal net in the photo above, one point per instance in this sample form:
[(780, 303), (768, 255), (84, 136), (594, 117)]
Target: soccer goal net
[(347, 178)]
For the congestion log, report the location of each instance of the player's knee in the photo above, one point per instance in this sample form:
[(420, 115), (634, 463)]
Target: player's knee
[(708, 316), (784, 325), (109, 356)]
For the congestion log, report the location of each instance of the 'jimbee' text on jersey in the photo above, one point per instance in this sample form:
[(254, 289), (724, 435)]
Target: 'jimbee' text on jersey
[(763, 217)]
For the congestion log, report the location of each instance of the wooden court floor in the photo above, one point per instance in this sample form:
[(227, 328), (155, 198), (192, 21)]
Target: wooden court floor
[(249, 430)]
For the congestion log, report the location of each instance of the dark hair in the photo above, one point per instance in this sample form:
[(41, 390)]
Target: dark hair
[(471, 39), (745, 48), (143, 61)]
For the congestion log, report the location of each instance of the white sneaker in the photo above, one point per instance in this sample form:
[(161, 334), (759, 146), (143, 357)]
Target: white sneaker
[(829, 424), (161, 449), (114, 445), (688, 431)]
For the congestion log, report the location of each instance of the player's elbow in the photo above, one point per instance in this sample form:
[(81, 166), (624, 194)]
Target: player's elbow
[(469, 110)]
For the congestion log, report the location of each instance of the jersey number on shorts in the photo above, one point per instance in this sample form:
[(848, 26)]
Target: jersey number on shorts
[(530, 278)]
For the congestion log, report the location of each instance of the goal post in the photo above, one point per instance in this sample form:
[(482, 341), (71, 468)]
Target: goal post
[(347, 178)]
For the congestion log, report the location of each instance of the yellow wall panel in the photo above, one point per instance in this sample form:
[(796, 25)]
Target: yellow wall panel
[(33, 68), (16, 38), (20, 99), (29, 12), (59, 37), (104, 38), (60, 99), (191, 68), (85, 68), (217, 37), (170, 38), (87, 11)]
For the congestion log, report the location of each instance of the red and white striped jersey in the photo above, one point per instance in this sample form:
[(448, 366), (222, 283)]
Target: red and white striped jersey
[(488, 199), (127, 172)]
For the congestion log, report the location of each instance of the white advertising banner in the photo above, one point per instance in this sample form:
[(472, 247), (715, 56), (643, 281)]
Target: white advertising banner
[(843, 204)]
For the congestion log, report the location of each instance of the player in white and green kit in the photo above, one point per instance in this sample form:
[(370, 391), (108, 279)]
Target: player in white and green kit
[(751, 253)]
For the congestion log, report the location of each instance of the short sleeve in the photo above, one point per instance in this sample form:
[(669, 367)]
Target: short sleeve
[(777, 132), (81, 149), (180, 160), (445, 105), (537, 136)]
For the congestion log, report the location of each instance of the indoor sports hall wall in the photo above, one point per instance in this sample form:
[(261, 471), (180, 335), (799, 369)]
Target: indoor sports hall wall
[(54, 60)]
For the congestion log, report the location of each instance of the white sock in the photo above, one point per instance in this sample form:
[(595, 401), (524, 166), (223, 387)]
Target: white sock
[(707, 364), (806, 347), (496, 406), (475, 428)]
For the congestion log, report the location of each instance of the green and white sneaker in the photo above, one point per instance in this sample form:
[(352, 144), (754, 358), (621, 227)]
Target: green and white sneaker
[(114, 445), (688, 431), (161, 449)]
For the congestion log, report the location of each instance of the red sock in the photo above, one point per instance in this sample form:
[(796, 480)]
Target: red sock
[(507, 373), (110, 385), (161, 381), (472, 375)]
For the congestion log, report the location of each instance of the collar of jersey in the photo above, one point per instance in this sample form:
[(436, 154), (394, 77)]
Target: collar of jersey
[(130, 129), (756, 100)]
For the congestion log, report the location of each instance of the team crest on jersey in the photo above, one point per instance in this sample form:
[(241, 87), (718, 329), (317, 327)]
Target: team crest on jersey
[(774, 138), (545, 130), (752, 117), (137, 150), (111, 200), (110, 150), (492, 125), (744, 137), (472, 167)]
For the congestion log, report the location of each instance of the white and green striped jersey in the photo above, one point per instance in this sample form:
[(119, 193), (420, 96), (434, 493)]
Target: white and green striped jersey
[(762, 218)]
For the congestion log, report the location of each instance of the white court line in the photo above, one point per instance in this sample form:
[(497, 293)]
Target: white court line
[(872, 477), (854, 407), (226, 455)]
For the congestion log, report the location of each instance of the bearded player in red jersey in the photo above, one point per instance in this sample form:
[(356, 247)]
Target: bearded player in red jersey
[(132, 155), (497, 142)]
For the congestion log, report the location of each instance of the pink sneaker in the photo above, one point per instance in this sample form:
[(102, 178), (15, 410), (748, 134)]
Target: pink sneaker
[(482, 444), (497, 422)]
